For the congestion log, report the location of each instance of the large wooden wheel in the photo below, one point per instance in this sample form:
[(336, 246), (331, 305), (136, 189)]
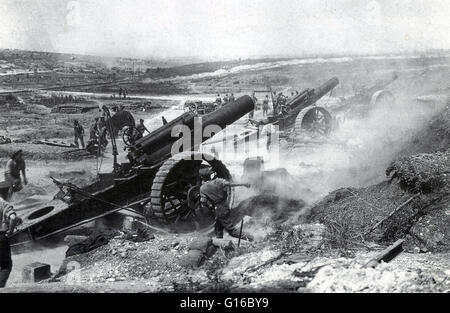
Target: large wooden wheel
[(316, 121), (175, 190)]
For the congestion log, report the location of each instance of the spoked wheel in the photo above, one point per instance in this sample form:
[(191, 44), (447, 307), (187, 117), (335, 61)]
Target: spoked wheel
[(316, 121), (175, 191), (129, 135)]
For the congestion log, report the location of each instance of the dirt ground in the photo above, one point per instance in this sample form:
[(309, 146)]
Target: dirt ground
[(338, 185)]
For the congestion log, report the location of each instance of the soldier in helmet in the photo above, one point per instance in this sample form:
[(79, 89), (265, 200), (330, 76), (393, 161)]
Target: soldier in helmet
[(213, 196)]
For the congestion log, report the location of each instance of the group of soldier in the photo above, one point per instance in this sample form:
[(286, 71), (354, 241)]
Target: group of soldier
[(123, 92), (225, 100), (97, 134), (279, 103)]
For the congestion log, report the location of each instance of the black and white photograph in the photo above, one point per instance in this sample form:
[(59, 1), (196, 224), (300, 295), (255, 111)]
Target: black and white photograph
[(225, 148)]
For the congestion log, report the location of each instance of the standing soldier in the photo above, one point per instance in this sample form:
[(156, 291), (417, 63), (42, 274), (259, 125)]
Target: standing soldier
[(232, 99), (266, 105), (120, 92), (101, 122), (93, 133), (14, 167), (225, 99), (79, 133), (141, 129), (267, 131), (213, 196), (8, 222), (219, 100)]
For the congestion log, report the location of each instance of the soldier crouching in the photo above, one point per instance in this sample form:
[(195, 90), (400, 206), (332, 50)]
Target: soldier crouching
[(213, 196)]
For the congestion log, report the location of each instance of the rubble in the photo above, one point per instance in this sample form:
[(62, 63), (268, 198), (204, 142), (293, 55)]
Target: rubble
[(346, 275)]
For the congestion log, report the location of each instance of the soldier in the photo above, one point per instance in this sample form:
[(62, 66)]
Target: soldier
[(101, 122), (226, 99), (232, 99), (79, 133), (14, 167), (120, 92), (102, 141), (93, 133), (213, 196), (8, 222), (266, 105), (141, 129), (267, 131), (218, 100)]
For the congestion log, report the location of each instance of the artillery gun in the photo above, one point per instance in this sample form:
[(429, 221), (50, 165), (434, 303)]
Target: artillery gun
[(376, 93), (294, 114), (155, 185)]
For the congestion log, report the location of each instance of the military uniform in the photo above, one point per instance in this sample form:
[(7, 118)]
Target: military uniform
[(265, 106), (79, 132), (12, 173), (6, 210), (141, 130), (214, 195)]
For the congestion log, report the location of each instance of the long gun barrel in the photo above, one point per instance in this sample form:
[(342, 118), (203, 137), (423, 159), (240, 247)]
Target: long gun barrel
[(303, 100), (157, 145), (310, 96)]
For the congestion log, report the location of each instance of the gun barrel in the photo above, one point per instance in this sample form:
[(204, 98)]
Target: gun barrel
[(309, 96), (325, 88), (157, 145)]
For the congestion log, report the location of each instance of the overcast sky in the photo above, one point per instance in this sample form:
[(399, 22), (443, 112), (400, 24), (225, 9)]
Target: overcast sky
[(224, 28)]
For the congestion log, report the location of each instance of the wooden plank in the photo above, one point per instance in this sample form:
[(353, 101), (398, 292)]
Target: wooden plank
[(387, 254)]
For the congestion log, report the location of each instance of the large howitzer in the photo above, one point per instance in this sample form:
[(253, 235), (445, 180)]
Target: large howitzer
[(155, 184), (375, 93), (316, 119)]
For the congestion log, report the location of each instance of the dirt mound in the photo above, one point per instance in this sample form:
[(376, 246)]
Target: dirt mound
[(424, 173), (28, 191), (39, 152), (79, 178), (412, 204)]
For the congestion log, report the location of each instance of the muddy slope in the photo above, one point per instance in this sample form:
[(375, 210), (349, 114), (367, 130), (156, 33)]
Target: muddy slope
[(413, 203)]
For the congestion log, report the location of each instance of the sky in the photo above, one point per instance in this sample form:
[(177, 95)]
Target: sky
[(224, 28)]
